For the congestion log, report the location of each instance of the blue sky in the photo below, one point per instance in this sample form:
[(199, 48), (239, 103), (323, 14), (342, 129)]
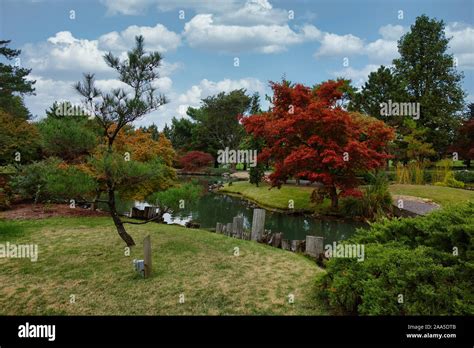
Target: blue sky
[(307, 41)]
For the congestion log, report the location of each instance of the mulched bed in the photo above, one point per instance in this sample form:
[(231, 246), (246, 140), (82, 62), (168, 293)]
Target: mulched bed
[(43, 211)]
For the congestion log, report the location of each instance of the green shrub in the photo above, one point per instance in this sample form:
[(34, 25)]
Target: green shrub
[(375, 202), (450, 181), (429, 260), (30, 182), (374, 286), (466, 176)]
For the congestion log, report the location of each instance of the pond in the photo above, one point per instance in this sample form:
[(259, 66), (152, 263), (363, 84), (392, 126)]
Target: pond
[(215, 207)]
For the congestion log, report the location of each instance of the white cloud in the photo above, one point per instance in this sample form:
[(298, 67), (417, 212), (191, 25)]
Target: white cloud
[(65, 52), (340, 45), (50, 90), (139, 7), (461, 43), (157, 38), (202, 32), (391, 32), (382, 51), (126, 7), (192, 97), (254, 12), (179, 102), (358, 76)]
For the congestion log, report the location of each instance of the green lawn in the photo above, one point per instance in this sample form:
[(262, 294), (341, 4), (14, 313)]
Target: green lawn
[(85, 257), (276, 198), (438, 194)]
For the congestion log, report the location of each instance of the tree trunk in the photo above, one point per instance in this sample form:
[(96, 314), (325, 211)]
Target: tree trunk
[(118, 223), (333, 195), (94, 203)]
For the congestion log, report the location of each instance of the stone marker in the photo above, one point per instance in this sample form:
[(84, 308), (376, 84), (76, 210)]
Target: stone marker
[(147, 256), (258, 224), (314, 246), (238, 226), (219, 227)]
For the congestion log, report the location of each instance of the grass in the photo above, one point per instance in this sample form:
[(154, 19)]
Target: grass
[(276, 198), (85, 257), (438, 194)]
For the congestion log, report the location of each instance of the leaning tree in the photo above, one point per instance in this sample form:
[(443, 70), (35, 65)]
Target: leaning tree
[(115, 110)]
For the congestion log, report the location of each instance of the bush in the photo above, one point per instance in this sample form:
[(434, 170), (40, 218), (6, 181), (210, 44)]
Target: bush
[(46, 181), (30, 182), (466, 176), (450, 181), (429, 260), (375, 201), (195, 160)]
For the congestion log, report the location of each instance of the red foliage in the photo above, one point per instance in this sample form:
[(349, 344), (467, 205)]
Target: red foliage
[(352, 192), (308, 135), (464, 144), (195, 160)]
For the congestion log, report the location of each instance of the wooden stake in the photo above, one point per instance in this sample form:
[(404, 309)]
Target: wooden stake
[(147, 256)]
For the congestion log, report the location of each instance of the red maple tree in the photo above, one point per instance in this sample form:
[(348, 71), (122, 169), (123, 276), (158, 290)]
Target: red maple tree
[(194, 160), (310, 135), (464, 144)]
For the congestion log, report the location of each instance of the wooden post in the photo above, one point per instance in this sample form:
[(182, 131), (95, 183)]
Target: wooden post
[(314, 246), (276, 239), (297, 245), (258, 224), (285, 244), (228, 230), (238, 226), (147, 256), (218, 227), (149, 213)]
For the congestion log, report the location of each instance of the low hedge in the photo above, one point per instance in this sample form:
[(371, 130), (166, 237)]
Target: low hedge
[(428, 261)]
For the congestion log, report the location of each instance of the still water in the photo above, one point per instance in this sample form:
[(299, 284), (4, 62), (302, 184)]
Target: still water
[(214, 207)]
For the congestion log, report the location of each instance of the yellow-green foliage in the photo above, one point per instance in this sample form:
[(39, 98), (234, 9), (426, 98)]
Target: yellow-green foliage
[(413, 173), (403, 174), (444, 175)]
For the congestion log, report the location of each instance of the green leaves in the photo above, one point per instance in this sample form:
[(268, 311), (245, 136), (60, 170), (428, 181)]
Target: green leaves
[(428, 260)]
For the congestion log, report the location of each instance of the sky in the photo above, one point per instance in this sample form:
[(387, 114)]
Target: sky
[(221, 45)]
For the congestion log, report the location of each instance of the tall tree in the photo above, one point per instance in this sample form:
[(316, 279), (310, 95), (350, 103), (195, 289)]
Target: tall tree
[(431, 79), (217, 124), (382, 85), (181, 134), (117, 109), (14, 83), (309, 134)]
